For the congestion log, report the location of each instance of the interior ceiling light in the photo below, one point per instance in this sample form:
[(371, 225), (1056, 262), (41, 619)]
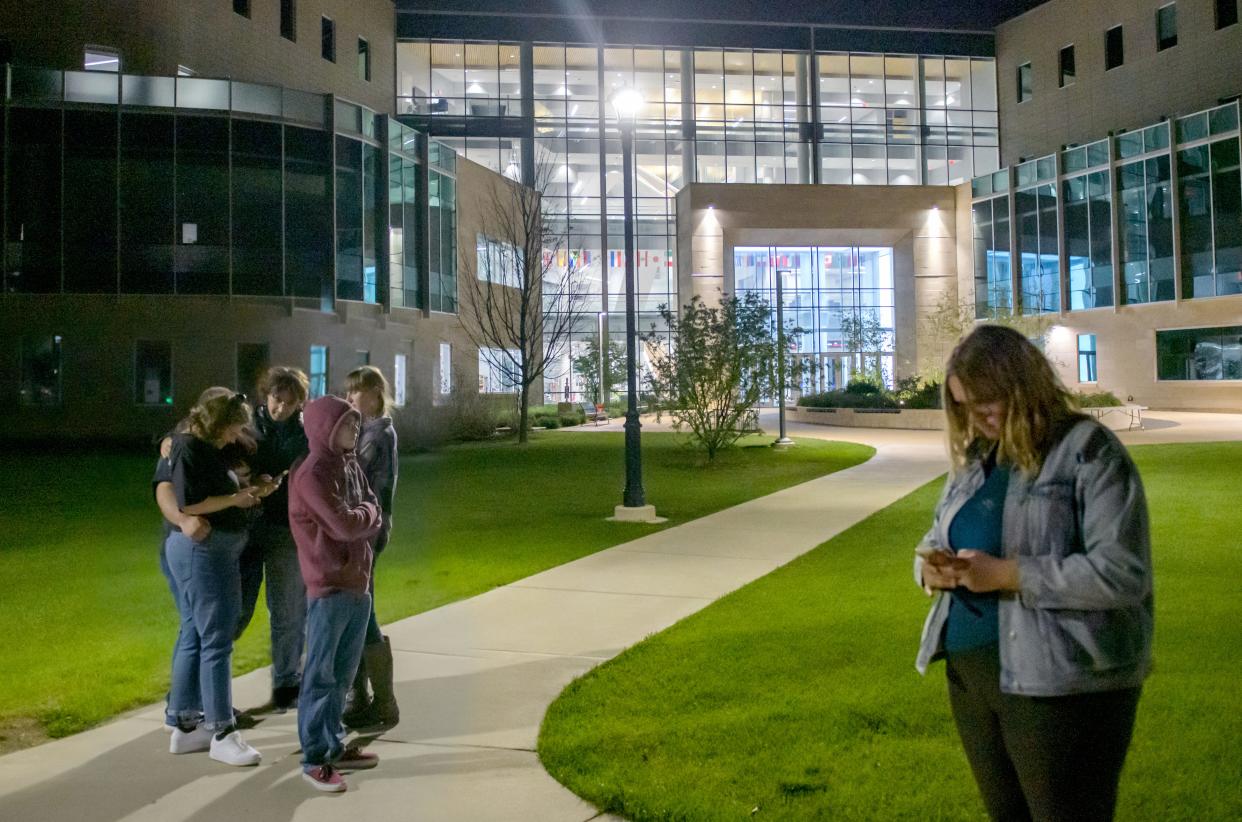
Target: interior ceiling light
[(475, 88)]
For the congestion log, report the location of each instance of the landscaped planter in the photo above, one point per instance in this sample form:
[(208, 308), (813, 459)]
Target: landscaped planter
[(919, 419)]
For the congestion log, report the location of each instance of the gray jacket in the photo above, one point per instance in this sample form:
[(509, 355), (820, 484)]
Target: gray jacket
[(377, 454), (1082, 621)]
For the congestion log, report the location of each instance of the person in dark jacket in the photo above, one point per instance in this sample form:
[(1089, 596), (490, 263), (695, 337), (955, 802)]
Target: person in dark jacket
[(271, 551), (367, 391), (334, 517), (1040, 560)]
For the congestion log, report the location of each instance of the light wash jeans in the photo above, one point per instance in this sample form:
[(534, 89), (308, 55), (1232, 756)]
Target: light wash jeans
[(193, 716), (335, 628), (210, 601)]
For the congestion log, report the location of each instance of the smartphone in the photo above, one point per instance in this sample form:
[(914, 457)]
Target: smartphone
[(928, 551)]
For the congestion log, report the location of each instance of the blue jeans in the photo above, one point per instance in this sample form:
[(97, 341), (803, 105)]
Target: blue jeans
[(286, 600), (335, 628), (194, 715), (207, 576)]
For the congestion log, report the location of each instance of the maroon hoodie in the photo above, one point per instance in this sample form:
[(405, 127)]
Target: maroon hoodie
[(332, 512)]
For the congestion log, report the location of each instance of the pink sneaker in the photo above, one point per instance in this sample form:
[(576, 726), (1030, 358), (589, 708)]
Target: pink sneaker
[(355, 758), (324, 778)]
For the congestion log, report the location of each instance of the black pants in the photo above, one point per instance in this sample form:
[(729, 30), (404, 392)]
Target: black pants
[(1039, 758)]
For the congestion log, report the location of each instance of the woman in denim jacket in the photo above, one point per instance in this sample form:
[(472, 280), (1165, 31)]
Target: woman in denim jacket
[(1039, 559)]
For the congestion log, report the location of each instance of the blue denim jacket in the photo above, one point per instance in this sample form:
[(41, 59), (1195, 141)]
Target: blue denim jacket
[(1083, 619)]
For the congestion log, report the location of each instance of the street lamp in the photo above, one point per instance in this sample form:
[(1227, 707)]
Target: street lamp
[(627, 102)]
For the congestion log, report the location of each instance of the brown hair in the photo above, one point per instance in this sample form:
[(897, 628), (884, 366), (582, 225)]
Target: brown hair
[(283, 378), (370, 378), (211, 417), (996, 363)]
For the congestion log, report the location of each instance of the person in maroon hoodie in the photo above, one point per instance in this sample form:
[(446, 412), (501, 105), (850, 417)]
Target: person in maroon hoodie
[(334, 517)]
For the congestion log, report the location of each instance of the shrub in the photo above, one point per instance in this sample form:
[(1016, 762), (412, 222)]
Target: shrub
[(545, 421), (845, 399), (570, 420), (912, 392), (863, 388), (1098, 399), (471, 416)]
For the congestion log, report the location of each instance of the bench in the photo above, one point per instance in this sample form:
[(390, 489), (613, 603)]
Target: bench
[(594, 414), (1132, 414)]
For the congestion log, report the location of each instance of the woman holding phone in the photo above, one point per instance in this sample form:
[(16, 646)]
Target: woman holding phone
[(1039, 558)]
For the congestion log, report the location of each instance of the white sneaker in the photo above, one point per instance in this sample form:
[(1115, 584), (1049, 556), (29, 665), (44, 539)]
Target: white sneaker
[(233, 750), (184, 742)]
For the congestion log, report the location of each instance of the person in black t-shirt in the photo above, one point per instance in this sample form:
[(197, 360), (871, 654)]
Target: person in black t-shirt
[(207, 578)]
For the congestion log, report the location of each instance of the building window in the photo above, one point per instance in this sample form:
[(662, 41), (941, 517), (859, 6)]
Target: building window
[(1166, 27), (362, 358), (398, 380), (1114, 48), (95, 58), (1024, 82), (497, 374), (1086, 358), (446, 368), (1067, 66), (40, 371), (289, 19), (242, 7), (497, 262), (1209, 189), (1199, 354), (252, 360), (1226, 13), (153, 372), (364, 60), (327, 37), (185, 71), (318, 371)]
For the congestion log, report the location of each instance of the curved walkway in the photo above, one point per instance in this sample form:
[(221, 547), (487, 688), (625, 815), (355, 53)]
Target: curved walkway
[(475, 677)]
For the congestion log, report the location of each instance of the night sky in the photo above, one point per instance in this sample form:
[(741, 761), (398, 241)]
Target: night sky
[(976, 15)]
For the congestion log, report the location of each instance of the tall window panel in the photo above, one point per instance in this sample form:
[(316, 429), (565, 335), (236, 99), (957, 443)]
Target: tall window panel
[(442, 211), (1036, 213), (372, 203), (308, 211), (1146, 230), (153, 372), (1088, 240), (202, 251), (1209, 208), (41, 370), (90, 233), (34, 209), (318, 371), (148, 227), (993, 261), (257, 194), (348, 219)]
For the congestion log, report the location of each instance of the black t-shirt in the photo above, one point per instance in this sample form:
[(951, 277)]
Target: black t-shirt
[(199, 471), (163, 473)]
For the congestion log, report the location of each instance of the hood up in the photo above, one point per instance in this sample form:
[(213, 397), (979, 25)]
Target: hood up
[(322, 418)]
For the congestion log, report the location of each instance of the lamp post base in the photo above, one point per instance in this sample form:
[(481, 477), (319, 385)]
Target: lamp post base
[(784, 442), (638, 513)]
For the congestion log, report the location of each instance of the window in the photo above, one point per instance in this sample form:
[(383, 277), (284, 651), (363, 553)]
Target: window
[(1067, 66), (1024, 82), (364, 60), (1199, 354), (289, 19), (1086, 358), (398, 380), (242, 7), (252, 360), (1114, 48), (1166, 27), (446, 368), (153, 372), (41, 370), (327, 38), (497, 262), (1226, 13), (185, 71), (497, 374), (318, 371), (96, 58), (362, 358)]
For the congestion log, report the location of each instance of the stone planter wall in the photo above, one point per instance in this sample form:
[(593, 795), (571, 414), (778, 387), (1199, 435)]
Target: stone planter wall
[(919, 419)]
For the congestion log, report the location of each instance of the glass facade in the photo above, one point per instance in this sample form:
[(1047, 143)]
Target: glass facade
[(825, 291), (1183, 182), (1199, 354), (199, 186), (710, 115)]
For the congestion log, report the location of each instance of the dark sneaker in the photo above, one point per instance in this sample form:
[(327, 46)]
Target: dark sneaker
[(324, 778), (355, 758), (284, 698)]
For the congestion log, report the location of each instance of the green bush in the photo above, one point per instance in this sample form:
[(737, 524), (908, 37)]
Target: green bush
[(545, 421), (863, 388), (912, 392), (471, 416), (1098, 399), (570, 420), (846, 399)]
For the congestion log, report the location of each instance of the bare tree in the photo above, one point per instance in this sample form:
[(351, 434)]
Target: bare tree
[(524, 294)]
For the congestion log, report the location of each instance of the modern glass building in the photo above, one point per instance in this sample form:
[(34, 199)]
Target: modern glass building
[(801, 115)]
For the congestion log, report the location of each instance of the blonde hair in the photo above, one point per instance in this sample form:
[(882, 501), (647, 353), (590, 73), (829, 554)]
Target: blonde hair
[(216, 411), (997, 364), (370, 378), (283, 378)]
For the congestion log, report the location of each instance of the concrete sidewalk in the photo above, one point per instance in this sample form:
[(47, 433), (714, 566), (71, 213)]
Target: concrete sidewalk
[(475, 678)]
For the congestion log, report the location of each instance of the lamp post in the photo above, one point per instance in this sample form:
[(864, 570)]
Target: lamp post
[(626, 102)]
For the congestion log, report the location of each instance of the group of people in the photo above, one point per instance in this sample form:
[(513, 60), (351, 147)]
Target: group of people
[(298, 494)]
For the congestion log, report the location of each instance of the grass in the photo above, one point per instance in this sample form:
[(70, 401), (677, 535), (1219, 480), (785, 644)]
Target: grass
[(88, 621), (796, 697)]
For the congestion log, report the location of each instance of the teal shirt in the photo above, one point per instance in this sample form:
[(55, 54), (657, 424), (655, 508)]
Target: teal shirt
[(972, 619)]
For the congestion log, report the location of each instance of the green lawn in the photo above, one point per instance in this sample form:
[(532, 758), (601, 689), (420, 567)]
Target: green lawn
[(89, 624), (796, 696)]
